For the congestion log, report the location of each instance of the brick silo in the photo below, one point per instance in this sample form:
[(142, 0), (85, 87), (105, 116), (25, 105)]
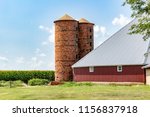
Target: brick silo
[(66, 47), (86, 35)]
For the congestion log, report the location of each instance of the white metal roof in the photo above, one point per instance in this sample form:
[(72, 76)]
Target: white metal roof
[(120, 49)]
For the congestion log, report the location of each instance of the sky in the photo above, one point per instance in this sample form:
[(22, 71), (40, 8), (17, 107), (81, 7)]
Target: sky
[(27, 28)]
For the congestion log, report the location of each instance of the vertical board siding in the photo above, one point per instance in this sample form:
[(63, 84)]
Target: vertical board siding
[(110, 74)]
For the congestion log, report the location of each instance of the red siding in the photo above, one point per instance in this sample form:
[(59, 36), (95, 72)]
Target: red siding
[(110, 74)]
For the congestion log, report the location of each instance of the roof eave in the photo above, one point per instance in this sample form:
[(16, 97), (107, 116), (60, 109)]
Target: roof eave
[(86, 23), (106, 65), (64, 20)]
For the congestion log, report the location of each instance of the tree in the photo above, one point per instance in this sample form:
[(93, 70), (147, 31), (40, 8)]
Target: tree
[(140, 11)]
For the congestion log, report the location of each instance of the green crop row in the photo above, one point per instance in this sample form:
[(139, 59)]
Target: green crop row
[(25, 76)]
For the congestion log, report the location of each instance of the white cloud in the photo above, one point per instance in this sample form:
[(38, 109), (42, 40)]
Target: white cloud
[(41, 27), (47, 29), (100, 34), (51, 36), (121, 20), (34, 59), (37, 51), (42, 54), (99, 30), (20, 60), (45, 43), (36, 63), (2, 58), (3, 62), (51, 65)]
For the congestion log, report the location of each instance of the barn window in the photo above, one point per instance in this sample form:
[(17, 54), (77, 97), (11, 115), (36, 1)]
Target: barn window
[(91, 69), (119, 68)]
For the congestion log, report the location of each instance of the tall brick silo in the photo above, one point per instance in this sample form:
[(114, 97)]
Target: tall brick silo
[(86, 35), (66, 47)]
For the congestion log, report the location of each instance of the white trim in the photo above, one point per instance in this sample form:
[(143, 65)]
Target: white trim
[(109, 65), (91, 69), (146, 66), (119, 68)]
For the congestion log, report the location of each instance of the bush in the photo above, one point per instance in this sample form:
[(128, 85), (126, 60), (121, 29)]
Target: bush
[(4, 83), (36, 81), (17, 83), (25, 76)]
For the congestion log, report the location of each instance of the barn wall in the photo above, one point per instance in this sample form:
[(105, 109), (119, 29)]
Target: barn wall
[(110, 74)]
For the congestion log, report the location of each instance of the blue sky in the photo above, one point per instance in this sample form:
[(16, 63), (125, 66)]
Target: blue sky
[(27, 28)]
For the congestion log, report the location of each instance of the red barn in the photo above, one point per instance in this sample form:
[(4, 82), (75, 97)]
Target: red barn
[(119, 59)]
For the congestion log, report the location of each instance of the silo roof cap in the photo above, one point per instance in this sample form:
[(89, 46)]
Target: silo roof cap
[(66, 17), (82, 20)]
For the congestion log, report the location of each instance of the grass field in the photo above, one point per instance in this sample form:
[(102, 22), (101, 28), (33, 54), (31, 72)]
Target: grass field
[(72, 92)]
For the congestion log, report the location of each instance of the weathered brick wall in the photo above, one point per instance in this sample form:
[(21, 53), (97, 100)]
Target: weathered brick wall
[(66, 48), (86, 43)]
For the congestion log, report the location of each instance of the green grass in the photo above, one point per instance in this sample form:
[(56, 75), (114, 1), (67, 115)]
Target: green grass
[(72, 91)]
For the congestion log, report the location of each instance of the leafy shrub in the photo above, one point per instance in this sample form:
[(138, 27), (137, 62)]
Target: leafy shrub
[(3, 83), (17, 83), (36, 81), (25, 76)]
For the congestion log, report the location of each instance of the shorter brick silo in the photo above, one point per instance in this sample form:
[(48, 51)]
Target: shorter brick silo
[(86, 35)]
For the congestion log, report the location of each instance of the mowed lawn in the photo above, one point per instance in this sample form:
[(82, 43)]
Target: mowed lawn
[(94, 92)]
